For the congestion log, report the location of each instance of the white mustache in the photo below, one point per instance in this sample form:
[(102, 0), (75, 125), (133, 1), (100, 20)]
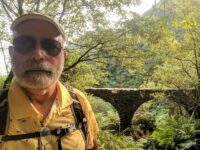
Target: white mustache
[(38, 66)]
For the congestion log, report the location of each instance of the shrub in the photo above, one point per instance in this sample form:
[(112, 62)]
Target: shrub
[(175, 132), (109, 141), (2, 79), (143, 126), (106, 115)]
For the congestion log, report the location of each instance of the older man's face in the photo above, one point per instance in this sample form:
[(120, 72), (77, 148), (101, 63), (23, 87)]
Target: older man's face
[(36, 68)]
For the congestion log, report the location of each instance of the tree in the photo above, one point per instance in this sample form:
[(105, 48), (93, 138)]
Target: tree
[(77, 17), (175, 43)]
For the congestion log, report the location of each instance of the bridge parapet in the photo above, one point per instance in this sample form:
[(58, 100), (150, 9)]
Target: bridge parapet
[(127, 100)]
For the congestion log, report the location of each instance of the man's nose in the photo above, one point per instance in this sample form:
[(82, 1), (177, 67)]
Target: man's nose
[(38, 53)]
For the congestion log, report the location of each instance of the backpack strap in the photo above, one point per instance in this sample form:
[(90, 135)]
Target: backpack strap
[(3, 110), (59, 132), (79, 116)]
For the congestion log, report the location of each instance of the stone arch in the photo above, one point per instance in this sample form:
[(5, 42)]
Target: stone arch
[(127, 100), (99, 105)]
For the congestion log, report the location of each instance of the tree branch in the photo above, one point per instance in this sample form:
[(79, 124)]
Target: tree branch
[(4, 57), (8, 9), (108, 56), (63, 11), (195, 55), (38, 5), (9, 16), (48, 4), (81, 57), (13, 2), (184, 69), (186, 60), (20, 7)]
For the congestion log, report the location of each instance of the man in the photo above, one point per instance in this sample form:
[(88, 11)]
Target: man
[(37, 101)]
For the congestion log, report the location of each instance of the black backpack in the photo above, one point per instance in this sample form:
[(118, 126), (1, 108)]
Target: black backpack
[(76, 108)]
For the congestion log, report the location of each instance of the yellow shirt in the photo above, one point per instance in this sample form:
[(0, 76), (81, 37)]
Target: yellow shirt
[(24, 118)]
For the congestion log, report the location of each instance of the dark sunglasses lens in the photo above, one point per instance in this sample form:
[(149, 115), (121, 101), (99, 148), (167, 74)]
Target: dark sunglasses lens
[(24, 44), (51, 46)]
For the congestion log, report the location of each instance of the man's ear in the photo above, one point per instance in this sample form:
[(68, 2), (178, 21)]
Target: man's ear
[(65, 54)]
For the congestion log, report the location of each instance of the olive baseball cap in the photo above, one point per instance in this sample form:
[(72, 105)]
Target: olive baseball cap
[(37, 16)]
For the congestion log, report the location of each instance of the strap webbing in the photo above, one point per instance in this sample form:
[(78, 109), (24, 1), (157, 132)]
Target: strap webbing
[(3, 110), (56, 132), (59, 144), (78, 114)]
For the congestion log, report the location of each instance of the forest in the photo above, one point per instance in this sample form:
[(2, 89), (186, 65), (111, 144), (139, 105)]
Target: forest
[(159, 49)]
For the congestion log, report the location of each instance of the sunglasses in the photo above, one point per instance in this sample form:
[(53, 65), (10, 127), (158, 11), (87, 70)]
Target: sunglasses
[(26, 44)]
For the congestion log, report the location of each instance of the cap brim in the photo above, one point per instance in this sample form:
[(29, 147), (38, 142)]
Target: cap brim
[(35, 16)]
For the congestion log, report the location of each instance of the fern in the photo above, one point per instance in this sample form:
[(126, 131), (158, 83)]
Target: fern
[(175, 132)]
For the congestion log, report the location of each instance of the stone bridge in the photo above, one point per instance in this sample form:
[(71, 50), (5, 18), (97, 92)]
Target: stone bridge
[(127, 100)]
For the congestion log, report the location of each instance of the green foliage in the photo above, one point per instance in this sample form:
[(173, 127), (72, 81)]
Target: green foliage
[(81, 77), (145, 123), (164, 108), (108, 120), (120, 76), (106, 115), (174, 132), (99, 105), (177, 46), (2, 79), (109, 141)]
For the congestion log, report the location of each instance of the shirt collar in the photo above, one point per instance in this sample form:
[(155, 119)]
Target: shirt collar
[(19, 103), (63, 96), (21, 106)]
